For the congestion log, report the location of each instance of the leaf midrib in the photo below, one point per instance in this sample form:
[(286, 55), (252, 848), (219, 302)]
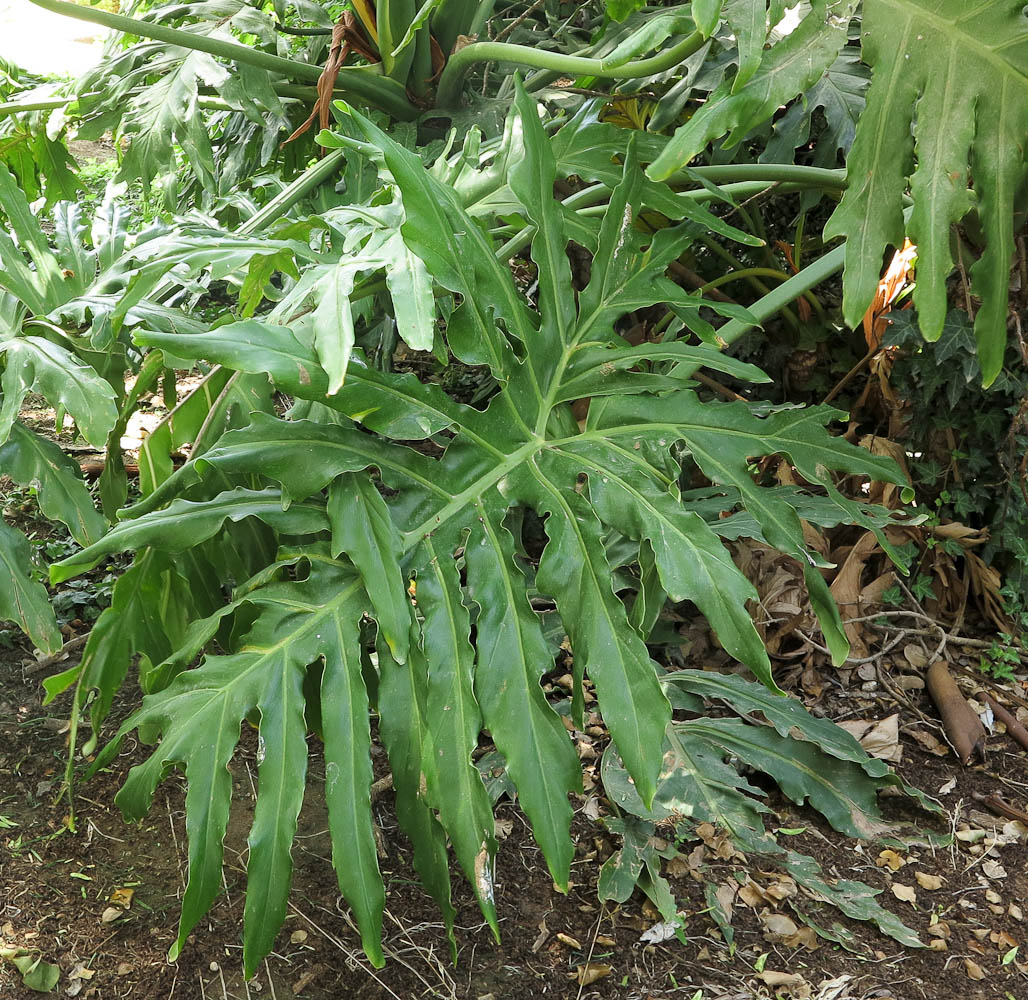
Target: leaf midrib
[(528, 451)]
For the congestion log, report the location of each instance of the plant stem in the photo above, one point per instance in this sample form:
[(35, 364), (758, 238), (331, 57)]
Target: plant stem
[(302, 32), (759, 272), (460, 62), (746, 272), (363, 82), (69, 767), (175, 36), (481, 18), (297, 92), (289, 196), (47, 104), (813, 274), (770, 172)]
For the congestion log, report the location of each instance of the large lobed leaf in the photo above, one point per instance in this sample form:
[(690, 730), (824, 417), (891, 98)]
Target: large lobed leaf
[(812, 760), (945, 115), (791, 67), (473, 645), (948, 99)]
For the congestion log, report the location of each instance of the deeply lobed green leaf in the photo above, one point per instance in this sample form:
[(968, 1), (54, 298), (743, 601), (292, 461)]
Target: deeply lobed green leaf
[(468, 652)]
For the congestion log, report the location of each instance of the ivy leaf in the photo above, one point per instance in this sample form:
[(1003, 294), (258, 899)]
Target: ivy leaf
[(841, 96)]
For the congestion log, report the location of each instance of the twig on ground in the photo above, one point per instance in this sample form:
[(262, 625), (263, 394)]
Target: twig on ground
[(519, 20), (380, 786), (901, 698), (50, 661), (988, 682), (1015, 730), (910, 596), (851, 660), (351, 956), (997, 804)]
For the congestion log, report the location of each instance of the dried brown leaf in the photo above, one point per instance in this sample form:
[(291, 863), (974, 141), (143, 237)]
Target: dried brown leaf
[(592, 972)]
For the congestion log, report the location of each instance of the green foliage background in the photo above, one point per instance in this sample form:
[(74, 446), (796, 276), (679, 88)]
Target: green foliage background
[(349, 541)]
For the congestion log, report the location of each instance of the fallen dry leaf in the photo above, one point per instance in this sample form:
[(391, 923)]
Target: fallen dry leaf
[(832, 989), (1002, 940), (993, 869), (782, 889), (658, 933), (122, 897), (540, 940), (890, 859), (752, 894), (725, 894), (879, 738), (567, 939), (777, 926), (929, 742), (927, 881), (591, 972), (298, 937), (904, 893), (973, 969), (791, 982), (678, 866), (805, 937), (111, 914)]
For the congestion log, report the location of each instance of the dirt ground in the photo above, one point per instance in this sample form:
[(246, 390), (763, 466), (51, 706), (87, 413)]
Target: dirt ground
[(56, 889)]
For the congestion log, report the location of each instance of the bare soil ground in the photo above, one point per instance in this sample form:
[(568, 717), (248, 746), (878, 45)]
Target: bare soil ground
[(56, 889)]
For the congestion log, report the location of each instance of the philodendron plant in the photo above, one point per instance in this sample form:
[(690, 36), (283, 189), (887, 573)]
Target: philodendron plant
[(378, 537)]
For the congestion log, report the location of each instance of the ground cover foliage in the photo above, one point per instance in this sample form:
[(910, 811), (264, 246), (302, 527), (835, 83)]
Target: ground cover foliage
[(348, 543)]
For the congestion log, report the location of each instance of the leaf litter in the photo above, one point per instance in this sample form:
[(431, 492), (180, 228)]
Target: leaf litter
[(978, 918)]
